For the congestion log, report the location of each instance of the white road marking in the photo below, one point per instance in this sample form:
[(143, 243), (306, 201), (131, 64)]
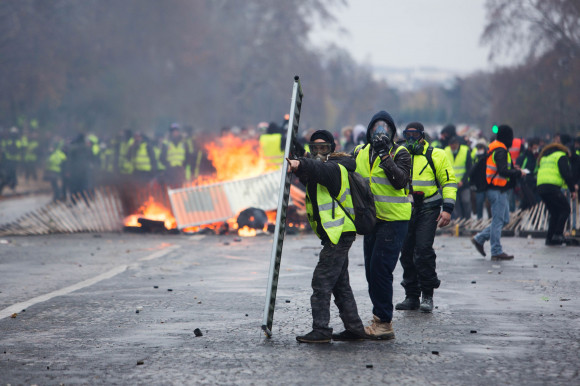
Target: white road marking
[(18, 307)]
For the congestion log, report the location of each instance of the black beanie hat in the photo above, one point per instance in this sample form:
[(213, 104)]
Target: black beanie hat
[(326, 136), (449, 130), (505, 135), (416, 125)]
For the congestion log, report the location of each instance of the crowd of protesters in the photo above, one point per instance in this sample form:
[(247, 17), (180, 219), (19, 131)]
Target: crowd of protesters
[(173, 156)]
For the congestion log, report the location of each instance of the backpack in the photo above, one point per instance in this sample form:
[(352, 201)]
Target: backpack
[(477, 177), (363, 201)]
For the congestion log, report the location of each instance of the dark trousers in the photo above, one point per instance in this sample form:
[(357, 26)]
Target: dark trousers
[(10, 176), (331, 278), (381, 250), (559, 210), (418, 255), (30, 170)]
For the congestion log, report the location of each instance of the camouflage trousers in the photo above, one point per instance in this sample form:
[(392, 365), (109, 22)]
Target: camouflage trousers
[(331, 278)]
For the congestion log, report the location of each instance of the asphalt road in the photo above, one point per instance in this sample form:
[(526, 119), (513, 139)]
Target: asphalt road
[(513, 322)]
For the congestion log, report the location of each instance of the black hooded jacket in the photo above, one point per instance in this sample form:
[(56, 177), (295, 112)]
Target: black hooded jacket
[(312, 172)]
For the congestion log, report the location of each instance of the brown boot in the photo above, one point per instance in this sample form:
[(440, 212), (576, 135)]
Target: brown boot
[(380, 330)]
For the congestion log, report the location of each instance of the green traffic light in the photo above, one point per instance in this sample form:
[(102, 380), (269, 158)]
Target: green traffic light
[(494, 129)]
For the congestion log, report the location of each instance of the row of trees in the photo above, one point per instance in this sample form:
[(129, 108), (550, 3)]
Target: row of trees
[(102, 65)]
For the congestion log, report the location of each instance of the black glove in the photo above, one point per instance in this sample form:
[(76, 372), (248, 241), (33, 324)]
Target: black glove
[(382, 145)]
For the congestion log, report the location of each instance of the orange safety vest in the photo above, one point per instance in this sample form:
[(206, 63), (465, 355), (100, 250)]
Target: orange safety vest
[(516, 148), (491, 173)]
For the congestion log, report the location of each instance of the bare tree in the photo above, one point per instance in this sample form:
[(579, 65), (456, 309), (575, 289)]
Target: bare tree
[(530, 28)]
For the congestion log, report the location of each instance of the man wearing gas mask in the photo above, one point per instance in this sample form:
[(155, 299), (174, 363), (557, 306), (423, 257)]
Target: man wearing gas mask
[(433, 188), (387, 166), (325, 175)]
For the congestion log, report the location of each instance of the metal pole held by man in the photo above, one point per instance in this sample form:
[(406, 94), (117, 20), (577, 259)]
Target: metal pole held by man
[(283, 196)]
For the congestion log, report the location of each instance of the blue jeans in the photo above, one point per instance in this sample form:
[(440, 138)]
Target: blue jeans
[(381, 250), (500, 216)]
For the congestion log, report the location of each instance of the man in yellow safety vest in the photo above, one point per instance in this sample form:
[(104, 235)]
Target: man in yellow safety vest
[(326, 178), (174, 155), (387, 167), (143, 159), (271, 145), (433, 188), (555, 174), (460, 158)]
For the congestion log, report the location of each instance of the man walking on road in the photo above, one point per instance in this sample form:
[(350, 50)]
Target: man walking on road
[(553, 175), (387, 166), (431, 170), (501, 175)]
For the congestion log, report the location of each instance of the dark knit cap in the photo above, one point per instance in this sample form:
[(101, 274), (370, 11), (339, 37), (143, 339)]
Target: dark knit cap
[(324, 135), (505, 135), (449, 130), (415, 125)]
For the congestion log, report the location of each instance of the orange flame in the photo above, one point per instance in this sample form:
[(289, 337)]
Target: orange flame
[(246, 231), (153, 211), (235, 158)]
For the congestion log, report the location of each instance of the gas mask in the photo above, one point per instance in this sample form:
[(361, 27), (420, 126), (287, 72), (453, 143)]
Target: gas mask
[(320, 150), (413, 141), (381, 132)]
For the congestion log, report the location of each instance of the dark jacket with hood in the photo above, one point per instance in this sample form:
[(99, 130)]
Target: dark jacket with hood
[(396, 169), (563, 166), (312, 172)]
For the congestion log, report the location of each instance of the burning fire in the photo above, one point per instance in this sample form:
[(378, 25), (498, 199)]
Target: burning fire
[(246, 231), (235, 158), (152, 210)]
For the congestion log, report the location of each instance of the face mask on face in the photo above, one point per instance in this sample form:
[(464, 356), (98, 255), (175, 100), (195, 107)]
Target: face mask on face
[(381, 131), (413, 139), (414, 147), (320, 150), (480, 152)]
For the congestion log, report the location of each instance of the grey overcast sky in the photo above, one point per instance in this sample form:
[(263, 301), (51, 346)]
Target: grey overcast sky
[(411, 33)]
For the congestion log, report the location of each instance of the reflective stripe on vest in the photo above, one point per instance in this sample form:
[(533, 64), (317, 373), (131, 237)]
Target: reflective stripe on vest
[(142, 161), (175, 154), (8, 145), (125, 164), (549, 172), (107, 158), (391, 204), (491, 174), (334, 220), (157, 151), (270, 145), (424, 180), (30, 155), (55, 160), (458, 161)]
